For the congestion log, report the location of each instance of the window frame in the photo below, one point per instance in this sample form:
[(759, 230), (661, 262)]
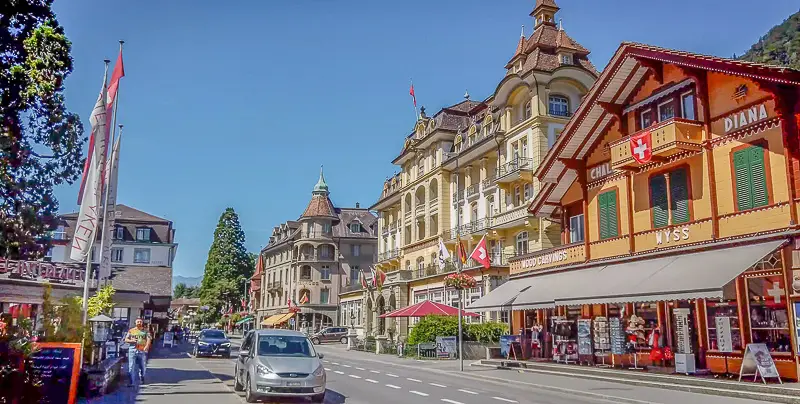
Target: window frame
[(642, 113), (764, 145), (664, 103), (671, 202), (121, 254), (327, 295), (119, 232), (325, 272), (518, 239), (581, 217), (60, 233), (683, 97), (566, 103), (144, 230), (615, 191), (139, 250)]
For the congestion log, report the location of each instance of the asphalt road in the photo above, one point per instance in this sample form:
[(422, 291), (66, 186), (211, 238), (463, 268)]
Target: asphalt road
[(357, 377)]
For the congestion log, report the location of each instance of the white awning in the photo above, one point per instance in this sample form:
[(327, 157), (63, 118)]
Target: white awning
[(502, 297), (696, 275)]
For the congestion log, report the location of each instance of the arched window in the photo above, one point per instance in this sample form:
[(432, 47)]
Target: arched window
[(473, 213), (433, 190), (522, 243), (528, 111), (421, 167), (420, 267), (558, 106)]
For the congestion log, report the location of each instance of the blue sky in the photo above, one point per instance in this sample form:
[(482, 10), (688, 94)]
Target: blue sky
[(239, 105)]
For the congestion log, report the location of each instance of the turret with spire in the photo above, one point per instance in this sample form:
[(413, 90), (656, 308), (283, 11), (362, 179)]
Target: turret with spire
[(322, 186), (320, 204)]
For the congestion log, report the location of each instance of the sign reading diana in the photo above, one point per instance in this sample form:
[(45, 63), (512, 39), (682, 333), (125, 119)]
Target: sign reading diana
[(549, 258), (745, 117), (37, 270), (672, 235)]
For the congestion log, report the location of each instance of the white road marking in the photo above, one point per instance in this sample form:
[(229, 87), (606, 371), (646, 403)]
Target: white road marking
[(355, 376), (347, 366), (392, 386), (335, 363), (370, 380), (360, 368), (413, 380), (451, 401), (338, 372), (467, 391), (438, 385), (326, 361), (504, 399), (391, 375), (419, 393), (375, 371), (328, 369)]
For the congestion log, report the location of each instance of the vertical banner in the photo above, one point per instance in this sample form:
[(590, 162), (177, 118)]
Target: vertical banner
[(110, 209)]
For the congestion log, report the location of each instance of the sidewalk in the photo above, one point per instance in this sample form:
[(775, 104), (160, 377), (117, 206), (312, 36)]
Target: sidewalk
[(172, 377)]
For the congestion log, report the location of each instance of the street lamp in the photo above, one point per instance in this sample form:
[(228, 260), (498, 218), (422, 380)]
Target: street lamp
[(458, 269)]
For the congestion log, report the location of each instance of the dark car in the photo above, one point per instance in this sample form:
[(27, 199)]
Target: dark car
[(330, 334), (212, 342)]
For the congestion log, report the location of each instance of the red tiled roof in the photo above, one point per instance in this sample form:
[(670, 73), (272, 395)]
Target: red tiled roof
[(320, 206)]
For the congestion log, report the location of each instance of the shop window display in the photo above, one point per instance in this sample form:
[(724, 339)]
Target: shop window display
[(726, 308), (769, 316)]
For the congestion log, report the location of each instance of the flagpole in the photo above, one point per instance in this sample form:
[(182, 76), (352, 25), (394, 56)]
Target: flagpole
[(416, 114), (460, 292), (87, 277)]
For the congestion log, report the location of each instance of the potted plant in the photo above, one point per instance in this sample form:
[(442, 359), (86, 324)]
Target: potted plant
[(460, 281)]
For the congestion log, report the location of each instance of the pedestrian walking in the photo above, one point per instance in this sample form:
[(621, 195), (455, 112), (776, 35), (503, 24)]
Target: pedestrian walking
[(140, 340)]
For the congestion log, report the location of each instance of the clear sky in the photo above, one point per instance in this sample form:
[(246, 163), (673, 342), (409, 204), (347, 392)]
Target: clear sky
[(239, 105)]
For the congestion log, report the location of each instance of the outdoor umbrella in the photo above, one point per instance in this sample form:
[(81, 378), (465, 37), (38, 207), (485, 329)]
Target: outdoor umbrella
[(427, 308)]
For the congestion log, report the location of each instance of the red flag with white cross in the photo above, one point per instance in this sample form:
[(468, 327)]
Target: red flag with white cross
[(642, 147), (480, 254)]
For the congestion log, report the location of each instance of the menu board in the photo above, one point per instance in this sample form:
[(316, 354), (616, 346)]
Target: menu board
[(57, 365), (584, 336), (617, 336), (505, 342), (757, 361)]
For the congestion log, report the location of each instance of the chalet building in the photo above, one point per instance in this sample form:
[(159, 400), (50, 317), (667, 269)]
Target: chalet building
[(676, 185)]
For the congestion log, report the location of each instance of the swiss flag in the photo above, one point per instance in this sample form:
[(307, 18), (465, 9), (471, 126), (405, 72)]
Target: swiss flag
[(642, 147), (774, 293), (481, 254)]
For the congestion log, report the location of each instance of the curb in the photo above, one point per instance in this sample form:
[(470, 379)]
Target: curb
[(215, 378)]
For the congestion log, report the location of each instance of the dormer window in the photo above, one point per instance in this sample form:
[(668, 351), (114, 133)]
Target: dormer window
[(142, 234), (566, 59), (355, 227), (119, 232)]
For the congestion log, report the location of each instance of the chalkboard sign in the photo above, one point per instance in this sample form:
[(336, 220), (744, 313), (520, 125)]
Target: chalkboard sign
[(58, 366), (617, 336)]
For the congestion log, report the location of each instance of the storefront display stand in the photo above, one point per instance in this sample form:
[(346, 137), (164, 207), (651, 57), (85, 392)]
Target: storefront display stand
[(635, 362), (603, 363)]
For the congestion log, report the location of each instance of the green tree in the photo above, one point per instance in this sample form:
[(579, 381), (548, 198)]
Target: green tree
[(180, 291), (101, 302), (780, 46), (227, 268), (40, 140)]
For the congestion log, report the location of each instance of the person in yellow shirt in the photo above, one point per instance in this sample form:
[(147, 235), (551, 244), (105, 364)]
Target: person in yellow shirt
[(139, 339)]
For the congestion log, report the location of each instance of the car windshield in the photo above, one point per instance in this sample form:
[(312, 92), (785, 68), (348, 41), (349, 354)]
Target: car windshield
[(285, 345), (213, 334)]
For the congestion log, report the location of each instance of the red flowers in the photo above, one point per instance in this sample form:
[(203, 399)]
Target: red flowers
[(460, 281)]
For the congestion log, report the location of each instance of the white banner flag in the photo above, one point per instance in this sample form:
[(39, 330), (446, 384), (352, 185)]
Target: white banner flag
[(444, 255), (91, 209), (111, 204)]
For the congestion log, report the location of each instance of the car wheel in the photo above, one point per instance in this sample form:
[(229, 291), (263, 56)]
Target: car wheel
[(236, 385), (343, 340), (315, 341), (248, 392), (319, 398)]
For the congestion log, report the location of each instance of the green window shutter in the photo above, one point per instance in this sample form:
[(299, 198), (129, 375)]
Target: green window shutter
[(758, 177), (741, 169), (679, 193), (613, 221), (658, 201), (602, 210)]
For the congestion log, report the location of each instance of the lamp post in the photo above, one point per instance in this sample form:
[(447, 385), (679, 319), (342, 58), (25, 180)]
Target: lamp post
[(101, 327), (458, 269), (352, 332)]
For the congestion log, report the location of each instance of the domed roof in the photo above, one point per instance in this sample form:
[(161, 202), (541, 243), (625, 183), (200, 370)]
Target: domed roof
[(322, 186)]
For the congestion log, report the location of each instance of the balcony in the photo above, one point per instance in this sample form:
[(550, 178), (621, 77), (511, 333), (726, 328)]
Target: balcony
[(304, 278), (510, 218), (428, 270), (458, 196), (419, 210), (351, 287), (498, 260), (669, 137), (434, 204), (473, 190), (516, 169), (274, 287), (559, 113), (475, 226), (307, 257), (387, 255), (489, 183)]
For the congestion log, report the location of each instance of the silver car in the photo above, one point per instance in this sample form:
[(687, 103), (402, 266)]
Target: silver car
[(279, 363)]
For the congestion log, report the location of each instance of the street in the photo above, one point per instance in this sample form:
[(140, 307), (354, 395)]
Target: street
[(358, 377)]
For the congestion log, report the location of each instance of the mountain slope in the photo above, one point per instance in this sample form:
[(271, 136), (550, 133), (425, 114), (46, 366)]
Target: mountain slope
[(780, 46), (189, 281)]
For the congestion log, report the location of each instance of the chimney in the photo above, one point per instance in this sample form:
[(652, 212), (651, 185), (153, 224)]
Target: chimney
[(358, 205)]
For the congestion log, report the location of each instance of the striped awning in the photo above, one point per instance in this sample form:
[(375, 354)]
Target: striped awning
[(277, 319)]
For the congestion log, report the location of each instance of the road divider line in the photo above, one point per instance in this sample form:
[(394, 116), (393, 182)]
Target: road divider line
[(360, 368), (375, 371), (438, 385), (334, 363), (504, 399), (370, 380), (467, 391), (419, 393), (391, 375), (338, 372), (392, 386), (355, 376), (328, 369), (347, 366), (413, 380), (447, 400)]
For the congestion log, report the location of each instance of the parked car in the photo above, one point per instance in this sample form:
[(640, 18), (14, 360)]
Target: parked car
[(330, 334), (279, 363), (212, 342)]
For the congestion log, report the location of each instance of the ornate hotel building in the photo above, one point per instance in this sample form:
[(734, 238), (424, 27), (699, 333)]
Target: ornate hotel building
[(467, 172)]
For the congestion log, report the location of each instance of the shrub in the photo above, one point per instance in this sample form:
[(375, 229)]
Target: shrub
[(430, 327), (489, 332)]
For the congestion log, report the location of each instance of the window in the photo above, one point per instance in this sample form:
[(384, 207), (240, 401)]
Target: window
[(49, 253), (524, 146), (421, 167), (489, 207), (325, 272), (687, 106), (142, 234), (527, 112), (474, 212), (646, 118), (305, 272), (141, 255), (324, 294), (666, 111), (355, 274), (515, 151), (576, 228), (607, 202), (60, 233), (94, 254), (527, 191), (769, 316), (119, 232), (116, 254), (517, 195), (751, 178), (355, 249), (566, 59), (326, 228), (558, 106), (522, 243), (355, 227), (678, 198)]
